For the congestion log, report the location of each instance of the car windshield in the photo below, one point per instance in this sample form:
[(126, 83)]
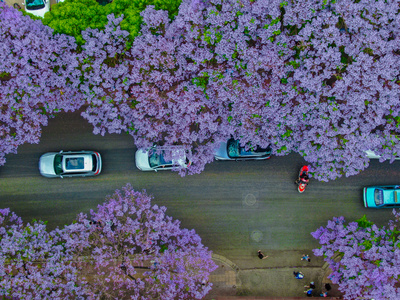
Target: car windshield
[(34, 4), (378, 197), (57, 164), (235, 150), (157, 159)]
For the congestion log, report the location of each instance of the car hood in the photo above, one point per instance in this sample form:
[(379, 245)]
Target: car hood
[(142, 160), (222, 151), (39, 12), (46, 164)]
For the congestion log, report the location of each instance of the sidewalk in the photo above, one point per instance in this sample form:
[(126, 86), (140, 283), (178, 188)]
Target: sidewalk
[(269, 280)]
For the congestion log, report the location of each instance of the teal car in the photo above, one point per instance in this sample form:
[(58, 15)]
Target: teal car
[(385, 196)]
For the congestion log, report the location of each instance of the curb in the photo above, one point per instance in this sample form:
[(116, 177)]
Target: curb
[(334, 293), (226, 261)]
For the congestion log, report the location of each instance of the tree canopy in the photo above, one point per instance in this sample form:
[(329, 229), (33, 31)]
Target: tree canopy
[(128, 248), (317, 78), (363, 257)]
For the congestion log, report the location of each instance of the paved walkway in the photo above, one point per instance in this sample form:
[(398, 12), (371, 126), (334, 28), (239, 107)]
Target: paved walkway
[(269, 280)]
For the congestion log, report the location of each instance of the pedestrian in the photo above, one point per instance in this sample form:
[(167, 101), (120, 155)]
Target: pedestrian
[(261, 256), (309, 292), (306, 257), (311, 286), (298, 275)]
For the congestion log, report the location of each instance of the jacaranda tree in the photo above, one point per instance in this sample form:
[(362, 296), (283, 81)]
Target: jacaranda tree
[(128, 248), (38, 78), (345, 74), (180, 87), (265, 72), (363, 257), (320, 78), (35, 263)]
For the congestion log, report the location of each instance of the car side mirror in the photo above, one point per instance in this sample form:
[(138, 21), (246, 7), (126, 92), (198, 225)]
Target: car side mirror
[(61, 151)]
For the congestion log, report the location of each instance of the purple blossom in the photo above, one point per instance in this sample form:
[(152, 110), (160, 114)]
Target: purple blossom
[(364, 259)]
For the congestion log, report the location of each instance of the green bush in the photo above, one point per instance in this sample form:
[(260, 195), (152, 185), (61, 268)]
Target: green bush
[(73, 16)]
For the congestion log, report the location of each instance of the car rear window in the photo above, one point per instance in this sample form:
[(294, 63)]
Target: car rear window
[(94, 163), (378, 197)]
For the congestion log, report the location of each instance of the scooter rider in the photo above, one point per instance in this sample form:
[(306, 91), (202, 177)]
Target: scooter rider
[(304, 178)]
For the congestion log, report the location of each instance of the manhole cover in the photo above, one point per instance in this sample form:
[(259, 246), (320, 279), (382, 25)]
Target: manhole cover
[(255, 278), (256, 235), (250, 200)]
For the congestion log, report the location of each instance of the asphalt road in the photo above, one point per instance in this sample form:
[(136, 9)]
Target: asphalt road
[(236, 207)]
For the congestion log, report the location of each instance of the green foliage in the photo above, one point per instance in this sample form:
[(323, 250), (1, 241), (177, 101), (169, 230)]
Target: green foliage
[(25, 13), (293, 63), (283, 148), (4, 75), (201, 81), (209, 37), (363, 222), (73, 16), (284, 3), (287, 133), (131, 10)]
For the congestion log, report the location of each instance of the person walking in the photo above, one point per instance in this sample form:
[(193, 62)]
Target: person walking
[(309, 292), (298, 275), (261, 256), (311, 285), (306, 257)]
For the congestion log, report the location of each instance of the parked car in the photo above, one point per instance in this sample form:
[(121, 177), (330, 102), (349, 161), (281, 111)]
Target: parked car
[(37, 7), (161, 158), (232, 150), (385, 196), (70, 164), (371, 154)]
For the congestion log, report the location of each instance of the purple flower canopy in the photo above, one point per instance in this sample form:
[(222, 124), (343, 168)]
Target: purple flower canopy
[(318, 79), (128, 248), (364, 258), (39, 76)]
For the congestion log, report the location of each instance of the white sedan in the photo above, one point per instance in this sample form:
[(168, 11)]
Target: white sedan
[(373, 155), (161, 158)]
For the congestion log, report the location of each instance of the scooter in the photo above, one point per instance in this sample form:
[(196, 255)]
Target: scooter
[(302, 181)]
